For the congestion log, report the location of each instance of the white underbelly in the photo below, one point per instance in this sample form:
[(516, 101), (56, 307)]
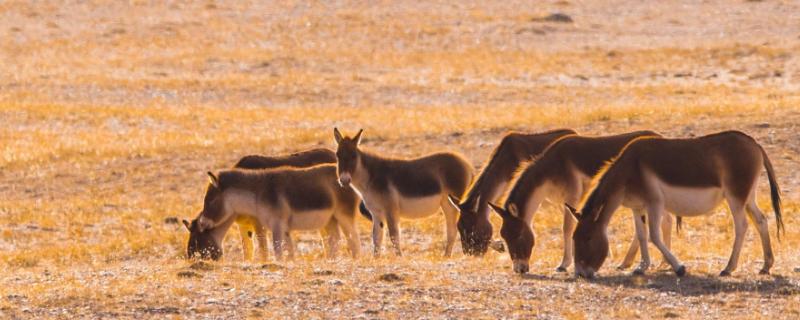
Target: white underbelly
[(414, 208), (309, 220), (685, 201)]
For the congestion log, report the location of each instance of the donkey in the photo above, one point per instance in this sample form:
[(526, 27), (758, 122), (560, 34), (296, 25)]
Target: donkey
[(282, 199), (202, 243), (473, 222), (394, 188), (689, 177), (559, 175)]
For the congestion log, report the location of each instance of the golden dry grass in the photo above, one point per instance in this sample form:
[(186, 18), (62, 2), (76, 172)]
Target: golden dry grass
[(113, 111)]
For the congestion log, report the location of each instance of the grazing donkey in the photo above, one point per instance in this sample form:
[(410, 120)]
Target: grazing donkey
[(394, 188), (282, 199), (561, 174), (202, 244), (689, 177), (473, 222)]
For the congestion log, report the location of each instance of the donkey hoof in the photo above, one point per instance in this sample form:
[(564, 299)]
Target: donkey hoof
[(561, 269), (681, 271), (638, 272), (622, 267), (763, 272), (725, 273)]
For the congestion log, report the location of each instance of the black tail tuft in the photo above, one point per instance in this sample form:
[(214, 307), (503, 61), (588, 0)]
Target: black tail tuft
[(678, 225), (364, 211)]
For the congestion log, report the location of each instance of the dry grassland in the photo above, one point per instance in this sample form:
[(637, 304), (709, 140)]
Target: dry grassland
[(111, 112)]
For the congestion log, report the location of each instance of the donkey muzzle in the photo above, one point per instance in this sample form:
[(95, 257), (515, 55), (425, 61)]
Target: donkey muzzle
[(344, 179)]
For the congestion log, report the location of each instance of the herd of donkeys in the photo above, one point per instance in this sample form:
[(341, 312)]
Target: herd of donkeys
[(654, 176)]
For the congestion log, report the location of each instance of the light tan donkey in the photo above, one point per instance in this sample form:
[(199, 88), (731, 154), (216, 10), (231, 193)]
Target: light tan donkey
[(395, 188), (514, 149), (283, 199), (688, 177), (560, 175)]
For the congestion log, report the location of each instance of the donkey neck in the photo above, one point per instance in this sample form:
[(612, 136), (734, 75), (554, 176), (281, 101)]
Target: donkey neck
[(218, 233)]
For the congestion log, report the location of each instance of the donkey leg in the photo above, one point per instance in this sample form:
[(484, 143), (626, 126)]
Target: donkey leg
[(761, 225), (654, 216), (278, 241), (568, 228), (331, 239), (451, 221), (740, 229), (261, 235), (377, 235), (627, 262), (394, 232), (641, 237), (246, 233), (666, 233), (351, 233)]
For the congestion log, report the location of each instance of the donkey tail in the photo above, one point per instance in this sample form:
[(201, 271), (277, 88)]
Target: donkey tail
[(775, 193), (678, 225), (364, 211)]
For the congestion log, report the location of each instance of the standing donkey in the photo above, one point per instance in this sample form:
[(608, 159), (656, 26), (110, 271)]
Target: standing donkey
[(473, 222), (689, 177), (282, 199), (561, 174), (202, 244), (394, 188)]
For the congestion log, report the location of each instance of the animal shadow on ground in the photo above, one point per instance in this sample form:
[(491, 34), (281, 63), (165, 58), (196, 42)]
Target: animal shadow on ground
[(690, 285)]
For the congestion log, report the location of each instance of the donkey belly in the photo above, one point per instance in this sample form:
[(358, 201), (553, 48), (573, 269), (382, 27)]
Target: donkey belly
[(421, 207), (688, 201), (310, 220)]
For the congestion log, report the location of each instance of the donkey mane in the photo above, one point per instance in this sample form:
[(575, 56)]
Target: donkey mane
[(494, 159), (231, 178)]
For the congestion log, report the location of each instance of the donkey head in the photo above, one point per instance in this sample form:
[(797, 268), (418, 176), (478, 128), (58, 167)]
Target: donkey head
[(347, 155), (475, 229), (201, 243), (517, 234), (591, 243)]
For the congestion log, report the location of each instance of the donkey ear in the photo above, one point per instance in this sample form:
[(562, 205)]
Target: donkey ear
[(454, 201), (212, 179), (512, 209), (357, 138), (502, 212), (337, 136), (572, 211), (187, 224)]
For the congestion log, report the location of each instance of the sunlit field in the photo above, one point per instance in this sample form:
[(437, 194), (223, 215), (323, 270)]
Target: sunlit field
[(111, 112)]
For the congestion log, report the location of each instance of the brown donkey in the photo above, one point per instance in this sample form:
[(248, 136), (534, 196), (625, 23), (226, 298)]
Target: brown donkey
[(515, 148), (394, 188), (561, 174), (281, 199), (689, 177)]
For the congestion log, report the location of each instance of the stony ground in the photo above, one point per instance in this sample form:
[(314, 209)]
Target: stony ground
[(112, 112)]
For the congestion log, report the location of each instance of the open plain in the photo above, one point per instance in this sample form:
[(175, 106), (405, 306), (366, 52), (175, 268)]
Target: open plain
[(111, 112)]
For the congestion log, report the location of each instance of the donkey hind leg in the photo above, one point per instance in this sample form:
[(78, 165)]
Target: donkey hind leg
[(666, 233), (451, 222), (246, 233), (261, 235), (740, 230), (627, 262), (642, 238), (761, 225), (394, 231), (331, 238), (654, 216)]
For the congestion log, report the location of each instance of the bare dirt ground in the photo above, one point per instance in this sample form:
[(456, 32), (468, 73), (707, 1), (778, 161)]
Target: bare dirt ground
[(112, 111)]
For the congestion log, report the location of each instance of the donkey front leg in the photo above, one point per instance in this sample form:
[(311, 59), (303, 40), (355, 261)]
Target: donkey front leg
[(332, 238), (351, 234), (279, 232), (654, 216), (246, 233), (567, 230), (641, 236), (627, 262), (261, 235), (394, 231), (451, 224)]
